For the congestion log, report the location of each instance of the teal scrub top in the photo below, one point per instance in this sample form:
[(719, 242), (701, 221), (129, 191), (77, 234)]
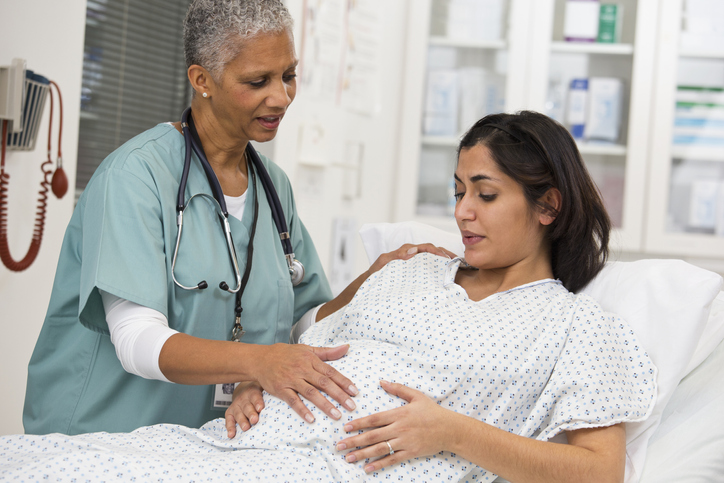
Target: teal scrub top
[(121, 239)]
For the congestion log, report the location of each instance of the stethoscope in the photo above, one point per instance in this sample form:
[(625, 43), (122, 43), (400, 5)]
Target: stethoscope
[(254, 164)]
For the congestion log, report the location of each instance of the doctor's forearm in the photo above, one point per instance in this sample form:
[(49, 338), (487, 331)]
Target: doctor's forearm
[(185, 359)]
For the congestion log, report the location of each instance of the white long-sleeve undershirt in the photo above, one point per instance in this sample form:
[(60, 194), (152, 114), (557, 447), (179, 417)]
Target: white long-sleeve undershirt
[(138, 333)]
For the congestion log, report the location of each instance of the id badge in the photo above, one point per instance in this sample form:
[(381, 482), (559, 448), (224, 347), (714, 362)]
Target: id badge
[(223, 395)]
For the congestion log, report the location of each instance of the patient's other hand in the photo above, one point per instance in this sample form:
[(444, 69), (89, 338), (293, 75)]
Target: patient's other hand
[(246, 404), (419, 428), (407, 251)]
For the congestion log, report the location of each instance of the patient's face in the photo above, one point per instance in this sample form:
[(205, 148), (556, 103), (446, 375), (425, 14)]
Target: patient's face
[(499, 227)]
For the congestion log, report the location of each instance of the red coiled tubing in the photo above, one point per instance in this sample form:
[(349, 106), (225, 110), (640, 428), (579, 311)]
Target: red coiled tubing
[(7, 259)]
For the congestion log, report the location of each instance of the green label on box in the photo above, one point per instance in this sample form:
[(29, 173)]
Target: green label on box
[(609, 23)]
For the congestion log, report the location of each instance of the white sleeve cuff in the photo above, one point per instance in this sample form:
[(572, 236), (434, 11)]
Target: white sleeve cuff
[(138, 333), (306, 321)]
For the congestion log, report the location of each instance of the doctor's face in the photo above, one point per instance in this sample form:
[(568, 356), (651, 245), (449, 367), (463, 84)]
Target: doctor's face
[(256, 87), (498, 226)]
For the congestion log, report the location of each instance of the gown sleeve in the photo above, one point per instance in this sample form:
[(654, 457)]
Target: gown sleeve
[(602, 377)]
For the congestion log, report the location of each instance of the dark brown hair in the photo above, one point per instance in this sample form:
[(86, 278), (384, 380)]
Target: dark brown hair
[(539, 154)]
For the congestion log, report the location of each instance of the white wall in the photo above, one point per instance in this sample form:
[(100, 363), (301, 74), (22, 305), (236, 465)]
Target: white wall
[(49, 35), (378, 133)]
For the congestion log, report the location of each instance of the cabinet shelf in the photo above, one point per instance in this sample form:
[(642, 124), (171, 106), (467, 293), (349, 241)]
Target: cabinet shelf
[(675, 225), (702, 153), (705, 53), (583, 147), (469, 44), (602, 149), (592, 48)]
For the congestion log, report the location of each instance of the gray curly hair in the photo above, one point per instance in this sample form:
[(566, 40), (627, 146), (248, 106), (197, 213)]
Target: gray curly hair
[(212, 29)]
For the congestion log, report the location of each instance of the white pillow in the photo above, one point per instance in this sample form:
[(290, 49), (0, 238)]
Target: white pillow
[(712, 335), (666, 303)]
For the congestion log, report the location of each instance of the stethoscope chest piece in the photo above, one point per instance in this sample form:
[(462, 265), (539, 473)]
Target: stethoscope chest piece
[(296, 271)]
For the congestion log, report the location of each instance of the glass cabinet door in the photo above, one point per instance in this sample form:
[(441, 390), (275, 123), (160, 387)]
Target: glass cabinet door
[(593, 74), (463, 54), (464, 80), (687, 159)]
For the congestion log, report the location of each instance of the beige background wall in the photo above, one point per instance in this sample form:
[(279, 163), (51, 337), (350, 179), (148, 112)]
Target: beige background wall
[(48, 34)]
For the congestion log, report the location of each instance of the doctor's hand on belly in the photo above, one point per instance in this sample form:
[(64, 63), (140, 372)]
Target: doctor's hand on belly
[(287, 379), (290, 370), (286, 371)]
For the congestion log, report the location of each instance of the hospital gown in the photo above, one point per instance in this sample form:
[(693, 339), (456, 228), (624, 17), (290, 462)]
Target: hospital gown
[(535, 361)]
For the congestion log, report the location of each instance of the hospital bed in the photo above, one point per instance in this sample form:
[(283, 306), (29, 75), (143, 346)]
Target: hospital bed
[(677, 311)]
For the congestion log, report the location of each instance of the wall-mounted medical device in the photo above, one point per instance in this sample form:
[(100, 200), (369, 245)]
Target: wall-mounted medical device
[(12, 88), (23, 94)]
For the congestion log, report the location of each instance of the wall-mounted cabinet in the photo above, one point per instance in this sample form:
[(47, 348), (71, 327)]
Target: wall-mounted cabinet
[(542, 68), (686, 195)]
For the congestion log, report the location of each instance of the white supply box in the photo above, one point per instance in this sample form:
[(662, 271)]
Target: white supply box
[(603, 121), (581, 20), (441, 103)]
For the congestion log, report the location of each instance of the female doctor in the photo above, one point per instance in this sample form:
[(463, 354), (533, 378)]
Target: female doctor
[(130, 337)]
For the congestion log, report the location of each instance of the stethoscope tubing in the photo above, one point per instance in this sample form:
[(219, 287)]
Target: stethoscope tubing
[(193, 145), (229, 243)]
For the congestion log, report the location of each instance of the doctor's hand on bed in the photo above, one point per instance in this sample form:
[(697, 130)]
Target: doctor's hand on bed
[(419, 428)]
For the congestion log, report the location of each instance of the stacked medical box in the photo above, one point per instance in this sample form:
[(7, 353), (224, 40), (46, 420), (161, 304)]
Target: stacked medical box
[(702, 26), (592, 21), (475, 20), (594, 109), (457, 95), (699, 116)]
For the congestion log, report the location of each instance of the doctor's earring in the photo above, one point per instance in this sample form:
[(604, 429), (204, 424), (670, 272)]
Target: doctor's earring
[(205, 95)]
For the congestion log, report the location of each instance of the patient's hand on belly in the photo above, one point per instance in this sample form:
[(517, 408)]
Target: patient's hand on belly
[(413, 430)]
